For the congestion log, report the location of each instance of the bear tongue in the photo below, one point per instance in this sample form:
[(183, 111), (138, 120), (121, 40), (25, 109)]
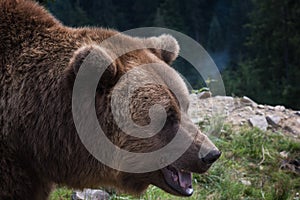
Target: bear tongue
[(185, 179), (179, 180)]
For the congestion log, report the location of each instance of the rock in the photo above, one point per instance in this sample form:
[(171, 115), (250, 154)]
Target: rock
[(90, 194), (259, 122), (286, 121), (196, 120), (273, 120), (245, 182), (279, 108), (247, 101), (260, 113), (248, 108), (225, 98), (194, 115), (289, 129), (204, 95), (261, 106), (284, 154), (193, 96)]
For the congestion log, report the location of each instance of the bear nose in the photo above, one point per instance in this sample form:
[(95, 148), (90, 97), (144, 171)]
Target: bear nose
[(211, 157)]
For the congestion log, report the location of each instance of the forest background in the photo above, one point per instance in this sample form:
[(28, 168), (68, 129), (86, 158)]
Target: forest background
[(254, 43)]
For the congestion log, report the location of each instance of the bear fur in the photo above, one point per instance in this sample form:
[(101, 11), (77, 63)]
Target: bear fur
[(39, 145)]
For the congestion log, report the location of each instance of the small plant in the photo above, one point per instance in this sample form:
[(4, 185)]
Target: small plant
[(61, 194), (200, 90)]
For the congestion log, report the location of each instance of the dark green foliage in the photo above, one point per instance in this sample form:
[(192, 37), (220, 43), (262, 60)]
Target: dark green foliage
[(256, 42), (171, 15), (44, 2), (70, 12), (270, 69), (216, 38)]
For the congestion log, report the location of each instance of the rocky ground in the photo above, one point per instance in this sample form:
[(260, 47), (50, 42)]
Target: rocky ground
[(242, 111), (237, 112)]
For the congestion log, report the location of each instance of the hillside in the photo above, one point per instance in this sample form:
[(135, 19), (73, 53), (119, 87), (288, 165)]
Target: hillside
[(244, 111)]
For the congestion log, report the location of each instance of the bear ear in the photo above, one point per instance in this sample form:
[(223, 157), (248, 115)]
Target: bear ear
[(95, 58), (167, 42)]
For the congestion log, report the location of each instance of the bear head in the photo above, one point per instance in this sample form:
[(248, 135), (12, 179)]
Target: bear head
[(141, 105)]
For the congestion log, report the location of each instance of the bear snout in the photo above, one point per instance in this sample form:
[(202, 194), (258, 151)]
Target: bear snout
[(192, 161), (202, 152), (211, 157)]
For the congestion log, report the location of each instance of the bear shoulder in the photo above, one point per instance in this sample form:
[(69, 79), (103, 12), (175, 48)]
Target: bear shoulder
[(20, 19)]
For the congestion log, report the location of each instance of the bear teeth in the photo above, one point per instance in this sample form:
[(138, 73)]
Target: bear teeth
[(175, 177)]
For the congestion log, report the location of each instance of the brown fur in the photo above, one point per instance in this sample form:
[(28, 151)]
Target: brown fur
[(39, 144)]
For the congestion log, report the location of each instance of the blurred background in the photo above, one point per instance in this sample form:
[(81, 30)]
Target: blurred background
[(255, 44)]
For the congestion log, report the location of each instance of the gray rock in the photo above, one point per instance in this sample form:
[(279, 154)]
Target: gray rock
[(261, 106), (248, 108), (245, 182), (289, 129), (279, 108), (271, 108), (273, 120), (196, 120), (259, 112), (90, 194), (193, 96), (204, 95), (225, 98), (247, 101), (259, 122)]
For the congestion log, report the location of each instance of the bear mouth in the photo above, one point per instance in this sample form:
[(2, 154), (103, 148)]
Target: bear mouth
[(179, 181)]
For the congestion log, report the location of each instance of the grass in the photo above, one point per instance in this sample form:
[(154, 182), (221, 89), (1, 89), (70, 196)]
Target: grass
[(249, 168), (61, 194)]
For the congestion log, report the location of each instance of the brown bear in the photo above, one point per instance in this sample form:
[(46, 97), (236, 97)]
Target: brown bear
[(40, 145)]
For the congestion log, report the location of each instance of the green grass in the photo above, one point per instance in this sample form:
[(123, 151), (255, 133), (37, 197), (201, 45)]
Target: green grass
[(61, 194), (250, 156)]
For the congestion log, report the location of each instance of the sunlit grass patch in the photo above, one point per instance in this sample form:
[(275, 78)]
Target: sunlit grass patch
[(61, 194), (250, 167)]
